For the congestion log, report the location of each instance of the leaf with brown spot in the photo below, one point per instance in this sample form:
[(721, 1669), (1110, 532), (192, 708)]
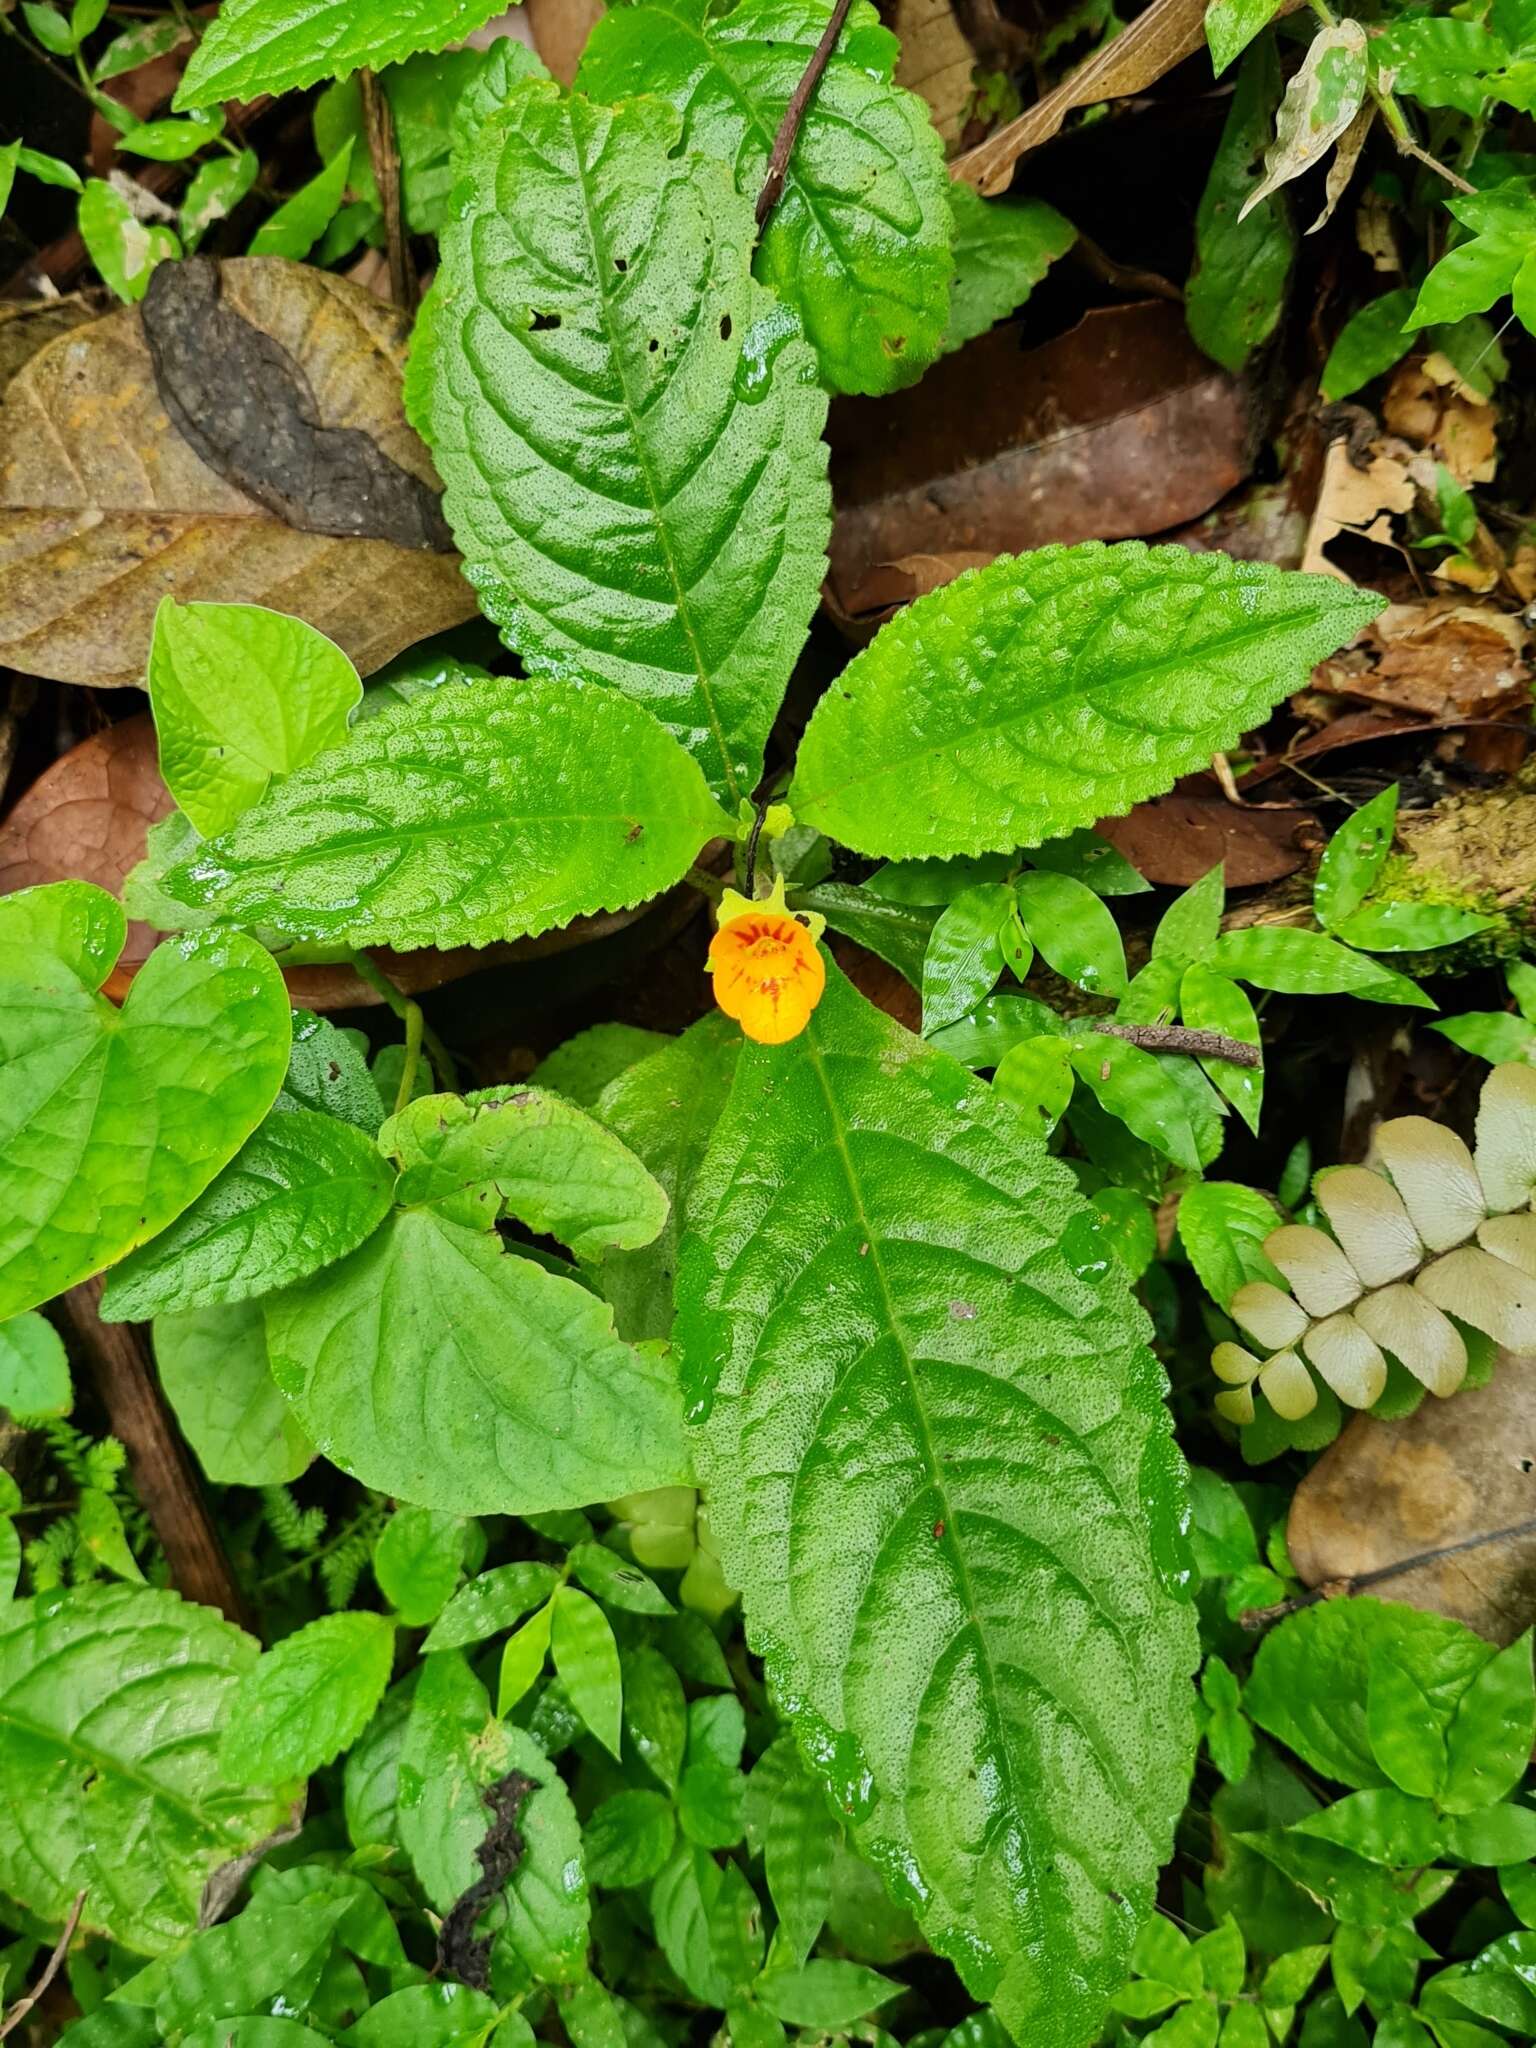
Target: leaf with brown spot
[(104, 507)]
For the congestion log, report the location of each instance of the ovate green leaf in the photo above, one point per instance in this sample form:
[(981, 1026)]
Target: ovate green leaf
[(91, 1684), (1053, 688), (214, 1372), (1210, 1002), (439, 1368), (595, 347), (965, 954), (112, 1121), (417, 1561), (628, 1839), (985, 1652), (587, 1660), (74, 921), (859, 242), (241, 694), (708, 1923), (490, 1603), (308, 1699), (1231, 25), (1223, 1227), (34, 1371), (1074, 931), (302, 1192), (1236, 291), (1370, 342), (295, 227), (120, 245), (257, 46), (1002, 250), (1353, 858), (475, 812)]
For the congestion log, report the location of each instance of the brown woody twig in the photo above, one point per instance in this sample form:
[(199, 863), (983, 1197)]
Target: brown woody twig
[(794, 114), (1200, 1045), (384, 156), (1345, 1589), (23, 2006)]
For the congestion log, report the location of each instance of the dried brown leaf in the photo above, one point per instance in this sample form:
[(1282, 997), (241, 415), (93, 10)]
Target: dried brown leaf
[(104, 508), (1357, 498), (1177, 839), (1428, 403)]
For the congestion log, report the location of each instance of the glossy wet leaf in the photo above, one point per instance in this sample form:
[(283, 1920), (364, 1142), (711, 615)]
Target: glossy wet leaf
[(114, 1120), (611, 359), (302, 1192), (1073, 930), (1353, 859), (1211, 1002), (1222, 1227), (214, 1372), (74, 921), (111, 1699), (1050, 689), (964, 956), (241, 694), (259, 46), (1002, 249), (1298, 962), (1371, 340), (472, 813), (308, 1699), (1162, 1099), (859, 242), (1492, 260), (438, 1368), (882, 1180)]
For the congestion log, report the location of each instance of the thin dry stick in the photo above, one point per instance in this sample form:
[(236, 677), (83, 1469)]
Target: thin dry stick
[(1201, 1045), (384, 156), (794, 114), (23, 2006), (1344, 1589), (164, 1476)]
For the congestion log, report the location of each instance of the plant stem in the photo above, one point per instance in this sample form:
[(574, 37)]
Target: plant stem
[(384, 156), (23, 2006), (794, 114), (367, 969), (1343, 1589), (1202, 1045), (414, 1025)]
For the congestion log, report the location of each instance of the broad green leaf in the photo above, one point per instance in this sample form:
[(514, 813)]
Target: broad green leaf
[(327, 1071), (214, 1372), (1492, 1035), (1036, 1076), (1210, 1002), (664, 1108), (241, 694), (789, 1822), (472, 813), (985, 1037), (506, 64), (1410, 927), (308, 1699), (214, 191), (1321, 99), (120, 245), (302, 1192), (490, 1603), (1469, 278), (1222, 1227), (417, 1562), (708, 1924), (1369, 343), (1002, 249), (371, 1776), (1488, 1741), (92, 1684), (615, 1582), (1359, 1893), (1383, 1824), (1231, 25), (1050, 689), (583, 1066), (438, 1368), (628, 1839), (34, 1371), (114, 1120), (897, 933), (171, 142), (443, 2014), (516, 1151), (1353, 859), (1164, 1100), (1493, 1834), (1303, 963), (1405, 1733), (74, 921), (269, 1954), (610, 358), (1021, 1511), (295, 227), (935, 881), (965, 954), (1237, 288), (258, 46), (587, 1660), (1189, 927), (859, 242), (1074, 931), (824, 1994), (1442, 63)]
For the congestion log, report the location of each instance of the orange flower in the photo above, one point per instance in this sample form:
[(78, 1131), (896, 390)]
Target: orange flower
[(768, 970)]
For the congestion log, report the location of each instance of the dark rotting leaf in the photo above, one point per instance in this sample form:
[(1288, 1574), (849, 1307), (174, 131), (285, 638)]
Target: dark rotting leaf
[(461, 1952)]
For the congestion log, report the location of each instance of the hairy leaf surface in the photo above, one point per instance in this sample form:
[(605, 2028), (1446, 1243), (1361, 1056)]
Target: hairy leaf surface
[(112, 1121), (859, 242), (255, 46), (302, 1192), (1053, 688), (438, 1368), (472, 813), (308, 1699), (940, 1470), (110, 1702), (627, 426)]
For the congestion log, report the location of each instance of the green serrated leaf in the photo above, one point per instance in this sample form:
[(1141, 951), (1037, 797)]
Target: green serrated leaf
[(975, 1375), (859, 242), (308, 1699), (113, 1121), (473, 813), (1002, 249), (438, 1368), (90, 1683), (328, 1073), (259, 46), (1050, 689), (613, 357), (302, 1192), (214, 1372)]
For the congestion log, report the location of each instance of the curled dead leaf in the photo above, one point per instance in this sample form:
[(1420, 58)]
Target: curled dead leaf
[(1443, 658), (1360, 497), (104, 508), (1428, 404)]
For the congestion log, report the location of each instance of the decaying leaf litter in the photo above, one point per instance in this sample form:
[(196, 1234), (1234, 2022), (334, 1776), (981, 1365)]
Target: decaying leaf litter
[(792, 744)]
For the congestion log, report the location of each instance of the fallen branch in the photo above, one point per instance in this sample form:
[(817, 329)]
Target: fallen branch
[(23, 2006), (794, 114), (1200, 1045), (1345, 1589)]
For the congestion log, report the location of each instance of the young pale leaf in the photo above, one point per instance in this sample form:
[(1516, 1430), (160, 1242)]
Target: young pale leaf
[(1236, 291), (1353, 858), (965, 954), (859, 242), (34, 1371), (308, 1699), (214, 1372), (241, 694), (519, 1152), (1320, 102), (74, 921), (472, 813), (1021, 1516), (522, 1658), (258, 46), (302, 1192), (1050, 689), (595, 344), (1231, 25), (1303, 963), (1002, 250), (122, 248), (438, 1368), (1369, 343), (113, 1121), (90, 1684), (587, 1660)]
